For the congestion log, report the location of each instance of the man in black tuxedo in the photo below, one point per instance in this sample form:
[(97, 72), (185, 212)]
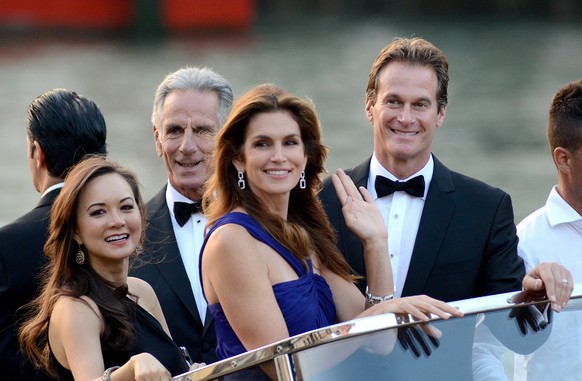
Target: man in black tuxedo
[(62, 127), (450, 236), (190, 106)]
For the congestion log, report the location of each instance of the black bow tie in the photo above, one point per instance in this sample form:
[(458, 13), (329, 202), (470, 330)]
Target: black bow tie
[(183, 211), (385, 187)]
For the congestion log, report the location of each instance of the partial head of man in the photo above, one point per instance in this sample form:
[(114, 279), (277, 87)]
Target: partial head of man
[(190, 106), (565, 140), (406, 101), (62, 128)]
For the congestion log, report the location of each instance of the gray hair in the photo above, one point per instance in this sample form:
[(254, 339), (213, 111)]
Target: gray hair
[(197, 79)]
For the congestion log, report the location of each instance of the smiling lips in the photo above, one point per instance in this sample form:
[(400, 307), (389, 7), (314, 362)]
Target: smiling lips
[(188, 165), (116, 238), (277, 172), (404, 133)]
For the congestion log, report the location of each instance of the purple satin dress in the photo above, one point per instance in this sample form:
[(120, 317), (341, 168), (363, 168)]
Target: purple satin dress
[(306, 303)]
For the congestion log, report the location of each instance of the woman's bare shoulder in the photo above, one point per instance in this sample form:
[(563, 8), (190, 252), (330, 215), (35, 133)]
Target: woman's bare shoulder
[(67, 310), (230, 238)]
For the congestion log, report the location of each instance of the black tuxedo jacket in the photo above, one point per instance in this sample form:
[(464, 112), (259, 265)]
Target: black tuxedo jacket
[(164, 271), (21, 259), (466, 245)]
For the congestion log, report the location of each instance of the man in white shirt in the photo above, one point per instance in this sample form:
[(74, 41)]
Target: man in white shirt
[(553, 233), (190, 106), (450, 237)]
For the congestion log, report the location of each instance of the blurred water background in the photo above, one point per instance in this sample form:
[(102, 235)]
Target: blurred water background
[(504, 67)]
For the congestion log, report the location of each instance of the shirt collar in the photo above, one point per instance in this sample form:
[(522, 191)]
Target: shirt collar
[(172, 195), (377, 169), (558, 210), (52, 188)]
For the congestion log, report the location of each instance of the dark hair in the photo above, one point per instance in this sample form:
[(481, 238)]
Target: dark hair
[(413, 51), (307, 228), (68, 127), (565, 118), (64, 277)]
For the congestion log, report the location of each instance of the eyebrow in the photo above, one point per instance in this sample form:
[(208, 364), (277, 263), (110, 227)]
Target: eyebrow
[(270, 137), (197, 126), (397, 96), (102, 203)]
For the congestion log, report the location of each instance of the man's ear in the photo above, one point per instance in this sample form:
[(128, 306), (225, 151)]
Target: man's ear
[(368, 109), (157, 140), (442, 113), (562, 159), (38, 155)]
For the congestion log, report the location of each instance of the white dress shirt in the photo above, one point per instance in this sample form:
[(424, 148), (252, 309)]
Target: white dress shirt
[(401, 213), (51, 188), (553, 233), (189, 238)]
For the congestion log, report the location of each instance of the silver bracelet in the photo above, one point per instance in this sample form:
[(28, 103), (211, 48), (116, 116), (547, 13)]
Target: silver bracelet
[(373, 299), (107, 374)]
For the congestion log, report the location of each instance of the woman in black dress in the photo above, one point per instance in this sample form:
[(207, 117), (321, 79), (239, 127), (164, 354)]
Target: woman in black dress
[(91, 321)]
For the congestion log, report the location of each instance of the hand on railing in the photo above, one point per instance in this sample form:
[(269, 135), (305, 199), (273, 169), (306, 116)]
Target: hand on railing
[(196, 365)]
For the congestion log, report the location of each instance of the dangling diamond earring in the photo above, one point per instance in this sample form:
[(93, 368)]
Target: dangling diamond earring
[(302, 182), (80, 257), (241, 180)]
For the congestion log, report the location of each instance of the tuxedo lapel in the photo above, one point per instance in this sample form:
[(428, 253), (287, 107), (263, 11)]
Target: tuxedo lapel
[(359, 174), (208, 320), (435, 218), (163, 241), (49, 198)]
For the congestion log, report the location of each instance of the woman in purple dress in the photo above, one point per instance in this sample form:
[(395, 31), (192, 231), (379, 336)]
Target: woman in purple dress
[(270, 268)]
